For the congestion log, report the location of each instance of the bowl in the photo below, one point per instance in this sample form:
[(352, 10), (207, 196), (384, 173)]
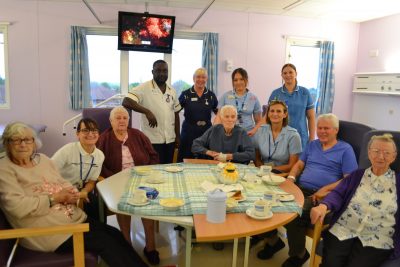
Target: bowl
[(273, 179), (143, 170), (172, 204)]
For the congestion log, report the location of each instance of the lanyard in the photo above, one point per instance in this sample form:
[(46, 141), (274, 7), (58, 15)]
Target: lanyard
[(81, 169), (269, 148), (237, 103)]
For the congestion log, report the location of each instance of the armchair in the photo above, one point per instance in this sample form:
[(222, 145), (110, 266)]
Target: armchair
[(13, 255)]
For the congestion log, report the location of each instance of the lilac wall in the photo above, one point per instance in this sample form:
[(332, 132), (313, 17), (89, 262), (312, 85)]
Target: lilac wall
[(39, 54)]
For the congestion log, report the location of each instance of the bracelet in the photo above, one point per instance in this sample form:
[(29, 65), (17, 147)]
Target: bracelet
[(291, 177)]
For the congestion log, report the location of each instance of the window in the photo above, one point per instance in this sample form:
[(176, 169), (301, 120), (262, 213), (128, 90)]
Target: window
[(304, 54), (114, 72), (4, 82)]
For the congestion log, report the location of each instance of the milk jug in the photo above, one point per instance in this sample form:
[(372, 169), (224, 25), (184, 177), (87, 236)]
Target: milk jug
[(216, 206)]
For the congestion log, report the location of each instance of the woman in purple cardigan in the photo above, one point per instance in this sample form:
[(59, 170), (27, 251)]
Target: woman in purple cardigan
[(365, 226), (124, 148)]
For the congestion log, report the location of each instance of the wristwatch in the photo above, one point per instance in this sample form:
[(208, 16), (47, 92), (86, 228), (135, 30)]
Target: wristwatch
[(291, 177)]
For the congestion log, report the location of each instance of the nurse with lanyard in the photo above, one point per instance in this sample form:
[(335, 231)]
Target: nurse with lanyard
[(198, 103), (277, 144), (80, 163), (299, 102), (247, 104)]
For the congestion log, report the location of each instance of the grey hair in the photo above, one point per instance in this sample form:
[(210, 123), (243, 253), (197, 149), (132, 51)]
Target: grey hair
[(18, 128), (387, 137), (226, 108), (118, 109), (200, 71), (329, 116)]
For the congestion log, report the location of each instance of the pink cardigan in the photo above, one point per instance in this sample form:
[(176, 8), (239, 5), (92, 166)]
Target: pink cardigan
[(139, 145)]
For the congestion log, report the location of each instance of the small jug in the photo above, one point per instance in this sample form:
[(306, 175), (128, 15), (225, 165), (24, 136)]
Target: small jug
[(216, 206)]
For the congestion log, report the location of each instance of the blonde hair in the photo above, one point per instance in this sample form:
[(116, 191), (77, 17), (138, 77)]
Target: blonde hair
[(200, 71), (386, 137)]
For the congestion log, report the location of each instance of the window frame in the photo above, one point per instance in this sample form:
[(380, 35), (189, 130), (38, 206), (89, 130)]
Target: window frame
[(124, 56), (4, 31)]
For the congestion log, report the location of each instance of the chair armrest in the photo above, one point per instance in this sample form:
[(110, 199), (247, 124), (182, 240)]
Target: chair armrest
[(38, 231), (77, 231)]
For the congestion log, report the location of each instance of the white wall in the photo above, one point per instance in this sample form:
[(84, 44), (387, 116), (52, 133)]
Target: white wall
[(39, 40)]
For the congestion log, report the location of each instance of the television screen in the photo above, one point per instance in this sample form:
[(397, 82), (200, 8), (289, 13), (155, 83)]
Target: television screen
[(145, 32)]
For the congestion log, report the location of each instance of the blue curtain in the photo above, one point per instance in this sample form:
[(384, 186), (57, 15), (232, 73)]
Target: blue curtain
[(210, 59), (326, 80), (79, 80)]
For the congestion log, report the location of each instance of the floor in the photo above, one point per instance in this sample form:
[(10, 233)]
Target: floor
[(171, 247)]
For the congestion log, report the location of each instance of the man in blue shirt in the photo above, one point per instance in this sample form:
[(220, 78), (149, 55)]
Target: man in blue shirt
[(321, 166)]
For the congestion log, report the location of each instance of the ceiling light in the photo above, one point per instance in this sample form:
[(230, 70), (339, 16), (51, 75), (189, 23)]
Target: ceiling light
[(293, 5)]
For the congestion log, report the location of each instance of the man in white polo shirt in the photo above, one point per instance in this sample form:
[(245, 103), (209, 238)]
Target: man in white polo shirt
[(159, 106)]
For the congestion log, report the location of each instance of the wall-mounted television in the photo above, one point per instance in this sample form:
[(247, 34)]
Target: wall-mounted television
[(145, 32)]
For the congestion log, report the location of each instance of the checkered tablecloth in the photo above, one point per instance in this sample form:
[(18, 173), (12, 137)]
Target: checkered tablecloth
[(186, 185)]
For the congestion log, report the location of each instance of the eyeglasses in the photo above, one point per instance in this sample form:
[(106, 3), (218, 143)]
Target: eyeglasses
[(376, 152), (19, 141), (87, 131)]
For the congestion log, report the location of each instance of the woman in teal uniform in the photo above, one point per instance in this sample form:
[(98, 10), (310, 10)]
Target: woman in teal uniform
[(299, 102), (198, 103)]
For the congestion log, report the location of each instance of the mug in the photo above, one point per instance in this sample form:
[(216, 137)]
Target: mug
[(271, 197), (265, 170), (139, 196), (261, 208)]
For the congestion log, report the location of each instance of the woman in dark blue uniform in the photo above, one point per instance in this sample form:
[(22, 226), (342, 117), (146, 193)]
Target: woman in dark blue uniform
[(198, 103)]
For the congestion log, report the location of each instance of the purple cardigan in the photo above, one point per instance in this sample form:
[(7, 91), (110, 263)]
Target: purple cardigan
[(139, 145), (339, 198)]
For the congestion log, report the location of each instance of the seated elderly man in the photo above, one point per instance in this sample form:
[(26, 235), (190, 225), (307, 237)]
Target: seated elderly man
[(321, 166), (226, 141)]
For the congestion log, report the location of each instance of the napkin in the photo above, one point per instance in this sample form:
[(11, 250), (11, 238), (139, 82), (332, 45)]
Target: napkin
[(208, 186)]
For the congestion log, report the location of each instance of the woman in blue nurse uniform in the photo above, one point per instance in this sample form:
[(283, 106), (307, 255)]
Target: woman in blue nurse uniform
[(198, 103), (247, 104), (299, 102)]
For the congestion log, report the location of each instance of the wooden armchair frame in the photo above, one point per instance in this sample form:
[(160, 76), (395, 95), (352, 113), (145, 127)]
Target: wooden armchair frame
[(77, 231)]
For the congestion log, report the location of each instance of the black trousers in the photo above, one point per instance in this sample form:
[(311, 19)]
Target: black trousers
[(108, 243), (165, 152), (351, 253)]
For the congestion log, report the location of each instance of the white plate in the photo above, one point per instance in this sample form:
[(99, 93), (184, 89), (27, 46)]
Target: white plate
[(250, 213), (273, 179), (138, 204), (229, 194), (286, 197), (173, 169), (155, 180)]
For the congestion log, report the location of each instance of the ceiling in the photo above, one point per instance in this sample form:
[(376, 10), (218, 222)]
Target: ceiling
[(347, 10)]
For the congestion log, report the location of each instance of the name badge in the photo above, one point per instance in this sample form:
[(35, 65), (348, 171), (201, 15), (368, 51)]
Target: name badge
[(231, 97), (194, 99)]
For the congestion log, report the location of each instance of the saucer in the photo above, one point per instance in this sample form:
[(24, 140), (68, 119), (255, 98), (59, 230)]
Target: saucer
[(173, 169), (286, 197), (138, 204), (250, 213), (155, 180)]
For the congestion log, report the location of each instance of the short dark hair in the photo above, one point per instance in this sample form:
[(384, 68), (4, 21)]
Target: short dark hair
[(89, 124), (160, 61)]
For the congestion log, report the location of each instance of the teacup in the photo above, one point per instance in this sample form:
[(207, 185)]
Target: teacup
[(270, 197), (265, 170), (261, 208), (139, 196)]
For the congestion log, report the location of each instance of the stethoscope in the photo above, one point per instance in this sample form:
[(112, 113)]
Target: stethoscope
[(81, 169)]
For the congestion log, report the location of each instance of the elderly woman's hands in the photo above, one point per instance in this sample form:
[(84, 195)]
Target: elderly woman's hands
[(66, 196), (318, 213)]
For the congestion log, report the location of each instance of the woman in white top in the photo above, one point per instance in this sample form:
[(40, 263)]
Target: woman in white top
[(80, 162)]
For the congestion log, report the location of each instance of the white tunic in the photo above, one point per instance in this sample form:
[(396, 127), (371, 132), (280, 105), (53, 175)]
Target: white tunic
[(163, 106), (76, 165)]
